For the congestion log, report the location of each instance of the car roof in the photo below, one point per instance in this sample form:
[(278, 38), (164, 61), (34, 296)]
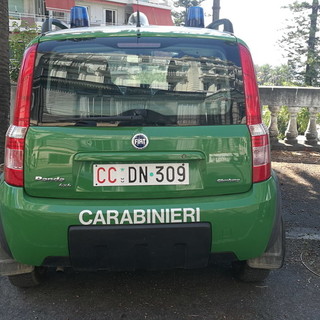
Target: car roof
[(129, 30)]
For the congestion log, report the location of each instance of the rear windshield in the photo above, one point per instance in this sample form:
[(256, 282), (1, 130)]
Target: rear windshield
[(128, 81)]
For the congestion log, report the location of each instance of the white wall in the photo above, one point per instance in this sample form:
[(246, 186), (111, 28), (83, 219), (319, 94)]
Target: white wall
[(97, 13)]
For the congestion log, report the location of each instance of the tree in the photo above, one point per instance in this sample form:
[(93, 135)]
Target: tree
[(4, 75), (301, 44), (21, 36), (268, 75), (216, 10), (183, 5), (312, 64)]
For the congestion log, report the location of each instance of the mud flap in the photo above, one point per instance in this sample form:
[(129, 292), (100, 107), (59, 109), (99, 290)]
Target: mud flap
[(9, 266), (273, 257)]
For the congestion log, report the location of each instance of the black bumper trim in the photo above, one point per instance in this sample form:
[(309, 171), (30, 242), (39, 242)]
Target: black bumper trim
[(3, 241), (278, 217), (147, 247)]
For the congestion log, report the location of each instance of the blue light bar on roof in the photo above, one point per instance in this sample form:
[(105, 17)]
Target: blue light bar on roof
[(195, 17), (79, 17)]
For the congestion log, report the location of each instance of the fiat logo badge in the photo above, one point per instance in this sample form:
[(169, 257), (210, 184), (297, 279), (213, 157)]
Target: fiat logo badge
[(140, 141)]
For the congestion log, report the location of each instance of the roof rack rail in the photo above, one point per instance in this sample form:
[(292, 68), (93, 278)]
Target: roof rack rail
[(227, 25), (47, 25)]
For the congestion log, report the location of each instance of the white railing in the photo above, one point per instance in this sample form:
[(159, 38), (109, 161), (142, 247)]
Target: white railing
[(18, 18), (159, 2)]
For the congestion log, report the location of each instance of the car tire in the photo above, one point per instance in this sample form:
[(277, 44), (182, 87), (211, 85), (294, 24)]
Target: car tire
[(30, 279), (245, 273)]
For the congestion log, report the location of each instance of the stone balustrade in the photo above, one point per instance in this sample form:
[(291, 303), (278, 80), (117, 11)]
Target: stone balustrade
[(294, 98)]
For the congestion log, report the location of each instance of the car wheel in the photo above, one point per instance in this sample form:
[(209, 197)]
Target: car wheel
[(30, 279), (247, 274)]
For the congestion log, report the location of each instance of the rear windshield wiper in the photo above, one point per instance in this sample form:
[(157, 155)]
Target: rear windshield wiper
[(137, 115), (92, 121)]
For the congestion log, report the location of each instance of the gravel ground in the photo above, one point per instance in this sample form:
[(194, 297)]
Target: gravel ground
[(299, 175)]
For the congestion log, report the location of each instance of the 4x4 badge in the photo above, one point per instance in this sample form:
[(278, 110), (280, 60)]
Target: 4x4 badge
[(140, 141)]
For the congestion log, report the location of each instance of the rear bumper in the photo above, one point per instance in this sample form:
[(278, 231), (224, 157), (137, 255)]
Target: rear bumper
[(151, 247), (36, 230)]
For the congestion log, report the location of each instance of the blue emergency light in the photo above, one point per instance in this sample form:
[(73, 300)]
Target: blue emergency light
[(195, 17), (79, 17)]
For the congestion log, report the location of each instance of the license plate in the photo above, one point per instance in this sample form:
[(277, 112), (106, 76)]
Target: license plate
[(140, 174)]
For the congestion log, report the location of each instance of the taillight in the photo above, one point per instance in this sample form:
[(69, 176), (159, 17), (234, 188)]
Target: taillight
[(13, 169), (15, 137), (261, 163)]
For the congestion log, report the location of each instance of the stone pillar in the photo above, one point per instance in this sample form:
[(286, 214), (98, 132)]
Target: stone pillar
[(273, 125), (311, 134), (292, 130)]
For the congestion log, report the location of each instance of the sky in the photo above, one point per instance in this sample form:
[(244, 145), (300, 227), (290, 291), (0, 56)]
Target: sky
[(258, 23)]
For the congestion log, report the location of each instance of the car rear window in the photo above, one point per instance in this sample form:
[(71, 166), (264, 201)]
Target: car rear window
[(151, 81)]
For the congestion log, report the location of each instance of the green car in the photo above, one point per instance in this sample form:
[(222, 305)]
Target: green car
[(138, 147)]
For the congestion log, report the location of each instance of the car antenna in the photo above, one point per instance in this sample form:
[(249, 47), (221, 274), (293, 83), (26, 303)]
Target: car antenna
[(138, 15)]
